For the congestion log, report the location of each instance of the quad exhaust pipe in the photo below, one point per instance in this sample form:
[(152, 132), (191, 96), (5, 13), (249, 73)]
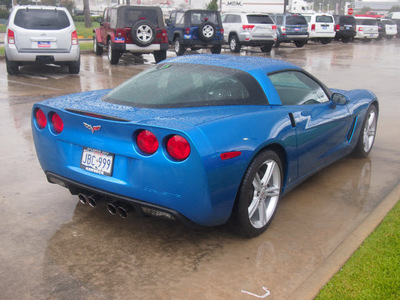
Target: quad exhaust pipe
[(114, 208), (92, 200)]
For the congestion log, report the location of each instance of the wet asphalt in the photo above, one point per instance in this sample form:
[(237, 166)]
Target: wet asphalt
[(53, 247)]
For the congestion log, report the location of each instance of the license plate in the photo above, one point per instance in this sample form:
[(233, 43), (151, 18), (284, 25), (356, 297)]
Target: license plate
[(97, 161), (43, 44)]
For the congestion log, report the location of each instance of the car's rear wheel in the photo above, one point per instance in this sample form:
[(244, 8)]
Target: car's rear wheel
[(75, 66), (299, 44), (389, 37), (160, 55), (113, 55), (346, 39), (234, 44), (216, 49), (143, 33), (98, 50), (267, 48), (178, 46), (259, 194), (12, 67), (368, 132), (207, 31)]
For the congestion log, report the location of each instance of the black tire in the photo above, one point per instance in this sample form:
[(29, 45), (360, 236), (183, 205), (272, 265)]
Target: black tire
[(257, 201), (113, 55), (367, 40), (207, 31), (389, 37), (325, 41), (98, 50), (216, 49), (143, 33), (234, 44), (299, 44), (346, 40), (277, 44), (267, 48), (178, 46), (75, 66), (12, 67), (160, 55), (367, 134)]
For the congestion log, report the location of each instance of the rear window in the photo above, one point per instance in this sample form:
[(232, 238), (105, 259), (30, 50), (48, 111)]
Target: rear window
[(197, 18), (41, 19), (388, 22), (324, 19), (129, 16), (296, 20), (367, 22), (346, 20), (188, 85), (259, 19)]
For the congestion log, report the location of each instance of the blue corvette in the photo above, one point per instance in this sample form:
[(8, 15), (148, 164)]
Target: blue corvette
[(202, 138)]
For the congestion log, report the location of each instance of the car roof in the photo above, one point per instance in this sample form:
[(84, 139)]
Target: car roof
[(249, 64), (39, 7)]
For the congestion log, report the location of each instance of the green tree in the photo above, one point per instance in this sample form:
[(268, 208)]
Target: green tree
[(395, 8), (213, 5)]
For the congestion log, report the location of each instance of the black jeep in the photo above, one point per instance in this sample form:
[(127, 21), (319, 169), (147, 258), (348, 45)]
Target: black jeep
[(195, 29)]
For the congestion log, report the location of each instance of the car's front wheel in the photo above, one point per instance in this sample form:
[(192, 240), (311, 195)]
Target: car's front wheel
[(234, 44), (325, 41), (259, 194), (113, 55), (178, 46), (368, 132), (98, 50)]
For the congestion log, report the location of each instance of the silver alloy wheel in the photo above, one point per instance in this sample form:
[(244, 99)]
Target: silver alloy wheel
[(94, 44), (369, 131), (144, 33), (232, 44), (109, 52), (267, 186), (208, 31), (177, 45)]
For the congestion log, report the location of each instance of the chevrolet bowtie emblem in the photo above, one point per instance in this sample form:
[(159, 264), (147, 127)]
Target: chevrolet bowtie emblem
[(92, 128)]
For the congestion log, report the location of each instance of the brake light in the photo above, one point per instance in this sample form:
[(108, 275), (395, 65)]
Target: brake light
[(178, 147), (273, 27), (161, 36), (360, 28), (74, 38), (248, 27), (283, 29), (57, 123), (312, 27), (187, 30), (337, 27), (147, 142), (222, 31), (10, 36), (40, 118)]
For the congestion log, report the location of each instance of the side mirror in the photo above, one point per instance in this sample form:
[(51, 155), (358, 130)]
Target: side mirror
[(167, 21), (339, 99), (99, 20)]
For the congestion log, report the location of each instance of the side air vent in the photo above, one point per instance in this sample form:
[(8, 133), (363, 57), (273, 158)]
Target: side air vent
[(352, 128)]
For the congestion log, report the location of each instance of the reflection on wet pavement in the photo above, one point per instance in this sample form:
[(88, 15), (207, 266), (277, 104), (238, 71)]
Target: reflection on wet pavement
[(53, 247)]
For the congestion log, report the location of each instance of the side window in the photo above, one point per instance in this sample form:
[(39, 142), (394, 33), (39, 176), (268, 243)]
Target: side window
[(297, 88), (172, 17), (237, 19), (179, 18), (279, 20), (113, 18)]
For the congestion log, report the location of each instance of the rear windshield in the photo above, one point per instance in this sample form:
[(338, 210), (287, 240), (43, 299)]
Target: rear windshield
[(324, 19), (259, 19), (346, 20), (129, 16), (188, 85), (197, 18), (296, 20), (41, 19), (388, 22), (367, 22)]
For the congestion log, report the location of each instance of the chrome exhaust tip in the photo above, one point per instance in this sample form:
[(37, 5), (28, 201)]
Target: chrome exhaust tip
[(112, 208), (82, 198), (124, 210), (93, 200)]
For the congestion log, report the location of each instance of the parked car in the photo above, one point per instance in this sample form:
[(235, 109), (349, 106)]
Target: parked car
[(321, 27), (387, 29), (202, 138), (367, 29), (345, 28), (43, 35), (291, 28), (395, 17), (195, 29), (249, 29), (131, 29)]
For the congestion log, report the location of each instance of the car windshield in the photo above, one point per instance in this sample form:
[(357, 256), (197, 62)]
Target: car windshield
[(259, 19), (128, 16), (188, 85), (295, 20), (324, 19), (197, 18), (41, 19)]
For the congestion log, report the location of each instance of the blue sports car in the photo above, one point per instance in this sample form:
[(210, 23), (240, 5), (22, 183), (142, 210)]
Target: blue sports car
[(202, 138)]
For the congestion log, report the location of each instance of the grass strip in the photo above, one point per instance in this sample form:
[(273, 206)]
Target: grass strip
[(373, 271)]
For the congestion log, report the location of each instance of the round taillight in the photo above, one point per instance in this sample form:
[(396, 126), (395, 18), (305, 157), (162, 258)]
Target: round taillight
[(178, 147), (147, 142), (40, 118), (57, 123)]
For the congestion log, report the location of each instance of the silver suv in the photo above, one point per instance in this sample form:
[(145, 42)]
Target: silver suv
[(249, 29), (41, 34)]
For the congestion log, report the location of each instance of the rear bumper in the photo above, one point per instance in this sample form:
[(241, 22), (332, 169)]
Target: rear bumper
[(198, 42), (293, 38), (13, 54), (314, 35), (136, 49), (362, 35)]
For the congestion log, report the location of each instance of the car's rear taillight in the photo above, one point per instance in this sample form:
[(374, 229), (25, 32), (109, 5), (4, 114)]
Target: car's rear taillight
[(283, 30), (74, 38), (312, 27), (10, 37), (360, 28), (57, 123), (337, 27), (187, 30), (40, 118), (248, 27), (273, 27), (161, 36), (178, 147), (147, 142), (222, 31)]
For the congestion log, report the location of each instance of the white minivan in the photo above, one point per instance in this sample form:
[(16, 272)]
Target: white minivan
[(41, 34), (321, 27)]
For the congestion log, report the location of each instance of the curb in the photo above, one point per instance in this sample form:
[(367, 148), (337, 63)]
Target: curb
[(311, 286)]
